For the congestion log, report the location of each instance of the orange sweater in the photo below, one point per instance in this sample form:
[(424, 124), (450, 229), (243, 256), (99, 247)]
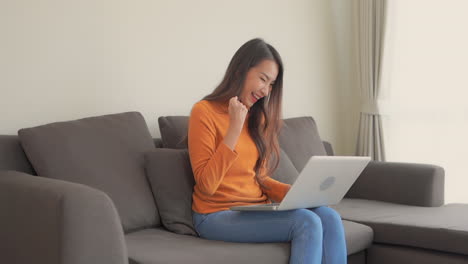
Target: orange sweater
[(224, 177)]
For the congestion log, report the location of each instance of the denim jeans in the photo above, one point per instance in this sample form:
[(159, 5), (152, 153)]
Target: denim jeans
[(316, 234)]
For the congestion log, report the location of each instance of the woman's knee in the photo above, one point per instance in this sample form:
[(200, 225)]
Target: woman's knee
[(327, 213), (308, 219)]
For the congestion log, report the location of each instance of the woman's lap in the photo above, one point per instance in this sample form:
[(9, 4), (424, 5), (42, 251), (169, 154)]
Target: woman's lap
[(258, 226)]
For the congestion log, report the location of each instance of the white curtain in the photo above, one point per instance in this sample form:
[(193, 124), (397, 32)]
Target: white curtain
[(425, 85), (370, 27)]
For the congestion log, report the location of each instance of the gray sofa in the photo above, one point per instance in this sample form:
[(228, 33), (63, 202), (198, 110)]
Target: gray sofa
[(100, 199)]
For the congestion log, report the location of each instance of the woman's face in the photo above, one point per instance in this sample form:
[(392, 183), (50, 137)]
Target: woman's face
[(259, 82)]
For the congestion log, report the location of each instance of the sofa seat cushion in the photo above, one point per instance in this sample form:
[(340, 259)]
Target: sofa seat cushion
[(443, 228), (157, 245), (162, 246), (104, 152), (391, 254), (358, 236)]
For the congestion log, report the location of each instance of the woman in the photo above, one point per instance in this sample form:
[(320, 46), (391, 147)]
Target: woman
[(233, 132)]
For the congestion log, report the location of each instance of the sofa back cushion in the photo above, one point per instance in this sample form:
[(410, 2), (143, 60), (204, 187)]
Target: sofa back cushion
[(286, 172), (12, 156), (174, 130), (300, 140), (170, 174), (104, 152)]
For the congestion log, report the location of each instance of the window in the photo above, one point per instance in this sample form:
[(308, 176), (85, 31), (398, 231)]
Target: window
[(425, 83)]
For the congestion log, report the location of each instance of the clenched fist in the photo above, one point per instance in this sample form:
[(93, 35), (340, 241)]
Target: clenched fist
[(237, 112)]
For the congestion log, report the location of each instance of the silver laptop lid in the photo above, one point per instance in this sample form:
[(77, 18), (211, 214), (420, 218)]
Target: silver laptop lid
[(324, 181)]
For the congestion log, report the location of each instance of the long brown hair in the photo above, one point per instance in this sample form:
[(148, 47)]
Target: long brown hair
[(265, 118)]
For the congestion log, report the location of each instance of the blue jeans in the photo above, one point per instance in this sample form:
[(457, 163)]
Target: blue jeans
[(316, 234)]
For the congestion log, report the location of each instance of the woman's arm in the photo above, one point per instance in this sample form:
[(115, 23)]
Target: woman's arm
[(232, 136), (277, 190), (209, 161)]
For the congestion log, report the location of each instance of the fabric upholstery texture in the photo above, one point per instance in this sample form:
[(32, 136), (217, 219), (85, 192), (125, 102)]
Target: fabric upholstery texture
[(396, 182), (358, 236), (286, 172), (167, 247), (12, 155), (300, 140), (104, 152), (174, 131), (48, 221), (390, 254), (442, 228), (171, 178)]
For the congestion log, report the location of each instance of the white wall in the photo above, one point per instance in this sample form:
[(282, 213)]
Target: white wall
[(63, 60)]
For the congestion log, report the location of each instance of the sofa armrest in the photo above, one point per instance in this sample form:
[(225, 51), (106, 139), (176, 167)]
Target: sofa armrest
[(402, 183), (46, 220)]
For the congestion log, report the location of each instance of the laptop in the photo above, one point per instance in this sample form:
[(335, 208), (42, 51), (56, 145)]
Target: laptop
[(323, 181)]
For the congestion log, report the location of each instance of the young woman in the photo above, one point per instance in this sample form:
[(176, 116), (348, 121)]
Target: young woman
[(233, 149)]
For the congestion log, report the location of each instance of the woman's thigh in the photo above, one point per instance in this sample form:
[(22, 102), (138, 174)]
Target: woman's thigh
[(253, 226)]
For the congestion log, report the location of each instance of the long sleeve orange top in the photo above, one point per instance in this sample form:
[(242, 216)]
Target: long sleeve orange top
[(224, 177)]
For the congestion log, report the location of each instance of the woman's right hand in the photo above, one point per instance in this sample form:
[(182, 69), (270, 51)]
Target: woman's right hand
[(237, 113)]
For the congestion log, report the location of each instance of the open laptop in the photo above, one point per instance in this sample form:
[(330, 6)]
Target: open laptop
[(323, 181)]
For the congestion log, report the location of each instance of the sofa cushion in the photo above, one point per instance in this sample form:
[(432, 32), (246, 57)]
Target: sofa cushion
[(174, 130), (358, 236), (391, 254), (148, 245), (170, 174), (286, 172), (443, 228), (300, 140), (161, 246), (104, 152), (12, 156)]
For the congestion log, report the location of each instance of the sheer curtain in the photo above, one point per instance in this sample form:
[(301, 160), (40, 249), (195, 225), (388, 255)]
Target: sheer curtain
[(425, 70), (370, 26)]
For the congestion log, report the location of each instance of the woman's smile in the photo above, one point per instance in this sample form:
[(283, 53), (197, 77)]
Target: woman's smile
[(253, 98)]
